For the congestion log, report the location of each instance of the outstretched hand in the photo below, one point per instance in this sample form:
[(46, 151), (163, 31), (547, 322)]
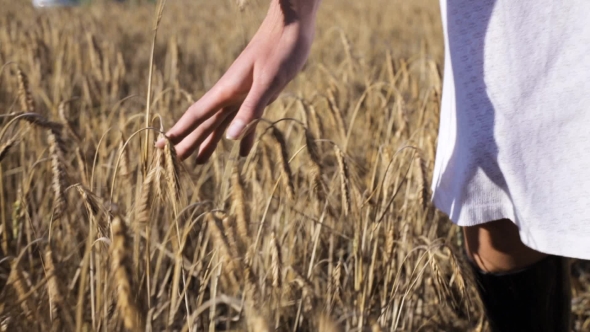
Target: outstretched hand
[(272, 58)]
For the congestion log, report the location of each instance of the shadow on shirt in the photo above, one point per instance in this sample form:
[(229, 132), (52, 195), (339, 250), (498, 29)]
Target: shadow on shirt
[(474, 159)]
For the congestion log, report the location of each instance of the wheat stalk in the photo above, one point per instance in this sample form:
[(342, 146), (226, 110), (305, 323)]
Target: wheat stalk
[(161, 4)]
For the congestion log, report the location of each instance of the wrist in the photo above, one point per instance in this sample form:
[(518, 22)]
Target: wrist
[(302, 12)]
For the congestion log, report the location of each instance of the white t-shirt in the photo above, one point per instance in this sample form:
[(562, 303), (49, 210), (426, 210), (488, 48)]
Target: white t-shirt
[(514, 136)]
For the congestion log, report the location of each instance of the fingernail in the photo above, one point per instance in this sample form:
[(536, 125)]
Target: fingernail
[(160, 143), (235, 129)]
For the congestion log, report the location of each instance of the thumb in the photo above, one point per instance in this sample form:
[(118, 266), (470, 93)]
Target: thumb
[(251, 110)]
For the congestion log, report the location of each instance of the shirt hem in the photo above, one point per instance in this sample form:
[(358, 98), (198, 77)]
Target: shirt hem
[(548, 242)]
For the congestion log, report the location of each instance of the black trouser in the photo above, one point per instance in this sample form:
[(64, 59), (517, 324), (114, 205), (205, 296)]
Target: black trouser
[(535, 299)]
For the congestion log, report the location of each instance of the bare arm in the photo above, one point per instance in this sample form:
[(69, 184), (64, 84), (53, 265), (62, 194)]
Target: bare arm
[(273, 57)]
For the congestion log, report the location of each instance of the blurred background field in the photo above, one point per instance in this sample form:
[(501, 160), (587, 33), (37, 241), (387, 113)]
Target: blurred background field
[(326, 226)]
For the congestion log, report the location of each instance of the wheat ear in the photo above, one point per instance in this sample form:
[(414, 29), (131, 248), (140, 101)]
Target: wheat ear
[(17, 280), (159, 163), (256, 315), (344, 179), (231, 235), (221, 243), (125, 164), (172, 171), (327, 324), (5, 148), (440, 286), (315, 165), (257, 322), (276, 261), (59, 183), (336, 281), (239, 206), (241, 3), (25, 96), (53, 287), (93, 207), (142, 207), (133, 317), (281, 152), (55, 290), (459, 278), (389, 246)]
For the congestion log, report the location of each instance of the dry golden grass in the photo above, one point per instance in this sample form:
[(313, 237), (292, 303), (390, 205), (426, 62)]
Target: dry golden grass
[(326, 226)]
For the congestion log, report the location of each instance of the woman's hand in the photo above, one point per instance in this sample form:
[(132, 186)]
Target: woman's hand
[(272, 58)]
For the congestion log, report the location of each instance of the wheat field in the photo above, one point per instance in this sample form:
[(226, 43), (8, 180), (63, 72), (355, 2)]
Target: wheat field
[(326, 226)]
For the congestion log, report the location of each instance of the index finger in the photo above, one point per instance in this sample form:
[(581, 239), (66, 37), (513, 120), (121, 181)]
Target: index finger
[(215, 99)]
